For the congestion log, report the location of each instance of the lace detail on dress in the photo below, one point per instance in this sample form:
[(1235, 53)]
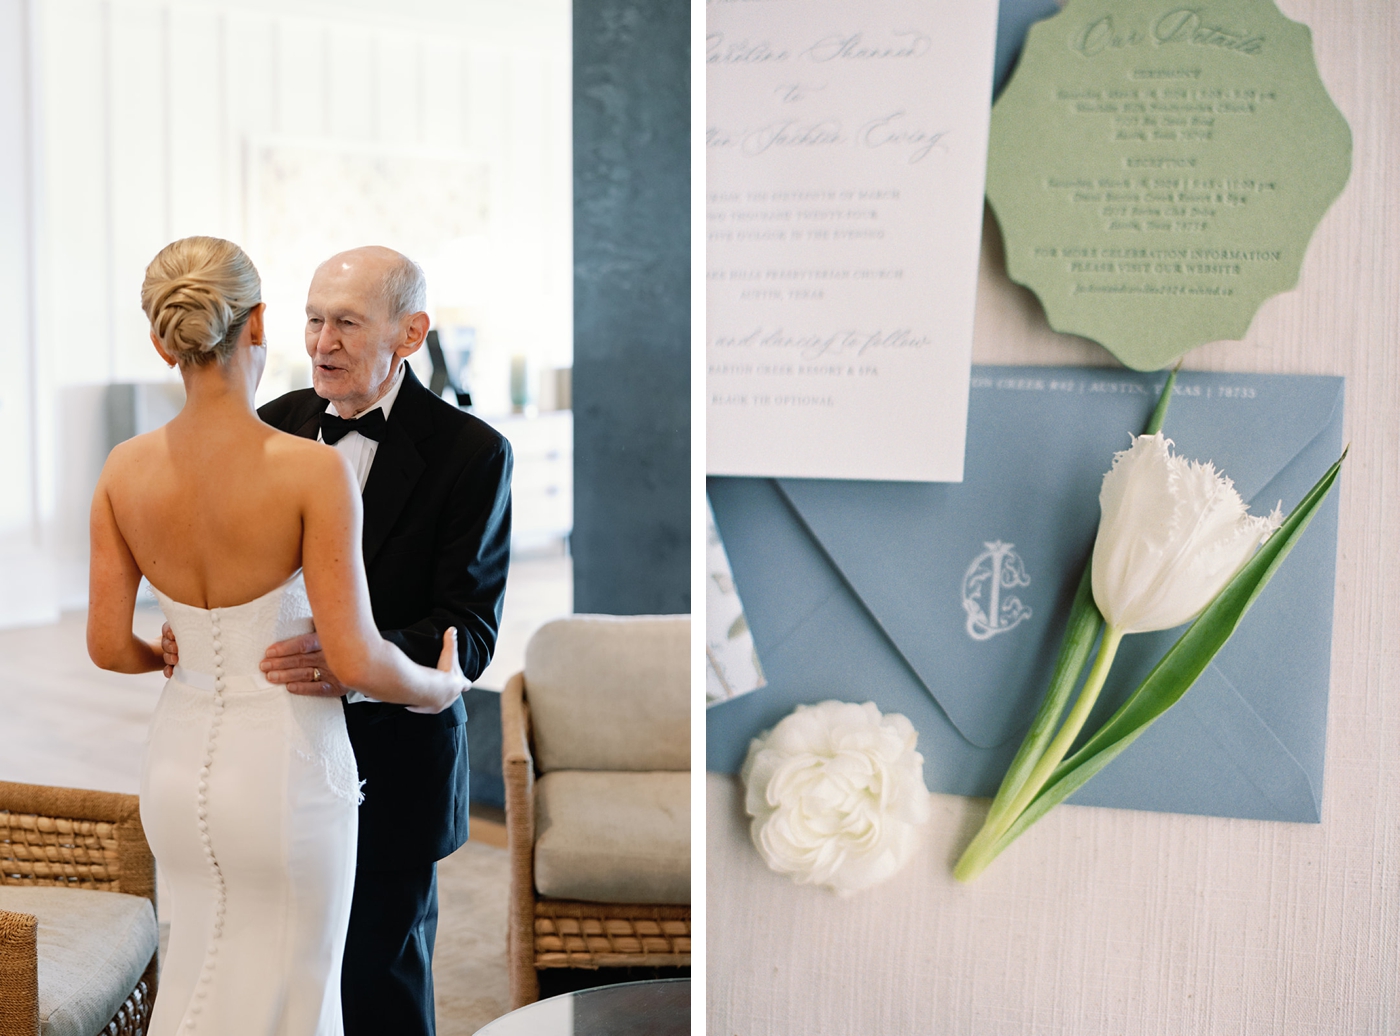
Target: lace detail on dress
[(318, 731), (318, 736)]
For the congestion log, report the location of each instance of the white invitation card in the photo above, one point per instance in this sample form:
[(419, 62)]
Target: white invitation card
[(847, 146)]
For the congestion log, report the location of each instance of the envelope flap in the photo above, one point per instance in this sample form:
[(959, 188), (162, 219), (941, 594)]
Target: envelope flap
[(1267, 421), (913, 559), (1242, 734), (1211, 749)]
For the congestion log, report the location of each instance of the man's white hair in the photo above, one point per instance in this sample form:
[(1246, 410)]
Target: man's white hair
[(405, 288)]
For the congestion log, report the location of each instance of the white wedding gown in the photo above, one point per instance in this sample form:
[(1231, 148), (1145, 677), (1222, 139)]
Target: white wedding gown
[(248, 798)]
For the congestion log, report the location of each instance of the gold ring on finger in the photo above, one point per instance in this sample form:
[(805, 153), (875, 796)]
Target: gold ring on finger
[(315, 675)]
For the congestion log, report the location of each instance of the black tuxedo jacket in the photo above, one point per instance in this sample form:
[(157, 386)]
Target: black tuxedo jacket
[(436, 547)]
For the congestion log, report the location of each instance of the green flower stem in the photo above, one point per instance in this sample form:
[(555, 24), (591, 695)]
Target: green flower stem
[(978, 854), (1081, 633), (1074, 722), (984, 847)]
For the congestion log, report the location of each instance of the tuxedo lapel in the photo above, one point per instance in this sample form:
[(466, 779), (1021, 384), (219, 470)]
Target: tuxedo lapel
[(297, 413), (310, 426), (397, 464)]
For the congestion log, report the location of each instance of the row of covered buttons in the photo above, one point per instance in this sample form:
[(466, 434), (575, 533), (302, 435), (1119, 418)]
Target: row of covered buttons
[(221, 893)]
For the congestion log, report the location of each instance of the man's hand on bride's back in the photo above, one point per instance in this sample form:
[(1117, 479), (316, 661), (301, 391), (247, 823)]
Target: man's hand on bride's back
[(169, 649), (297, 663), (300, 664)]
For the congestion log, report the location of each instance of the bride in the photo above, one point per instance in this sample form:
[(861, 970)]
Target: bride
[(248, 793)]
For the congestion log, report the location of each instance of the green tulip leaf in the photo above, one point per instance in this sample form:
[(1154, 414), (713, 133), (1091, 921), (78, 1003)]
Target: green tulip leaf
[(1080, 634)]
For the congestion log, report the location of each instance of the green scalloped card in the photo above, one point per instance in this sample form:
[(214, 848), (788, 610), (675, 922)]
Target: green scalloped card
[(1158, 170)]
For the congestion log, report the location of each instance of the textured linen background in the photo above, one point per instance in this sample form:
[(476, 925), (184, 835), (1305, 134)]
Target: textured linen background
[(1139, 924)]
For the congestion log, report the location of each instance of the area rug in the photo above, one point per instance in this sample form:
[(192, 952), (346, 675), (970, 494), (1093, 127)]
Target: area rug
[(469, 963)]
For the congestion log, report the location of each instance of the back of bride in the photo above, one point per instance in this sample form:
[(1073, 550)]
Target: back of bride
[(249, 794)]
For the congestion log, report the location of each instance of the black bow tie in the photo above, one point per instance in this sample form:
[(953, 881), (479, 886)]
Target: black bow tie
[(334, 428)]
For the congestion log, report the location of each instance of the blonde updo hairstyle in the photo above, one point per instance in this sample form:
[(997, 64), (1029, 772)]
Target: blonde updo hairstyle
[(198, 294)]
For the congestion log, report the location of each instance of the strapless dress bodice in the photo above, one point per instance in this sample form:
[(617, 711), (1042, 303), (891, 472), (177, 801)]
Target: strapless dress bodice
[(228, 643), (220, 651)]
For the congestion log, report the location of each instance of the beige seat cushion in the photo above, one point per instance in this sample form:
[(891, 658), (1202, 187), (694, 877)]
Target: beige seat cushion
[(610, 692), (93, 947), (613, 837)]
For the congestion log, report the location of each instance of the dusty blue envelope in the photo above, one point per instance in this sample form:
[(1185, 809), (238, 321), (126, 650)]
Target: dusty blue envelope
[(946, 602)]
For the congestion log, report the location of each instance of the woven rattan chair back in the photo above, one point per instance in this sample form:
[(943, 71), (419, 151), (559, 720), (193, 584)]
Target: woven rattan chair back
[(70, 838)]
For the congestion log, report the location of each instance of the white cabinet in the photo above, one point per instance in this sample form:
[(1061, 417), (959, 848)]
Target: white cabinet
[(542, 488)]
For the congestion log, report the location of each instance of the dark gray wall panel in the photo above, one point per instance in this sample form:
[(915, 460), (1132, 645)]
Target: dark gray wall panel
[(631, 381)]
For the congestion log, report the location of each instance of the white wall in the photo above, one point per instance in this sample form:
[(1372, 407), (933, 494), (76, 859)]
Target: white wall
[(153, 119), (16, 515), (22, 564)]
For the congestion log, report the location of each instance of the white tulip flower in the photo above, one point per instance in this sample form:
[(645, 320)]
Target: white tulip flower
[(836, 792), (1172, 533)]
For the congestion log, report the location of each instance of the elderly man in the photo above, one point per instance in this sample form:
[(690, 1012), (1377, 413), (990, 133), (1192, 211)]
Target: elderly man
[(436, 487)]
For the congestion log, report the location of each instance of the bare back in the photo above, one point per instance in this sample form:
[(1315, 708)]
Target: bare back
[(217, 509), (213, 508)]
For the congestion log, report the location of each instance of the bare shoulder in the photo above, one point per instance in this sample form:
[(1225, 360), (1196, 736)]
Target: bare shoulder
[(135, 453), (308, 463)]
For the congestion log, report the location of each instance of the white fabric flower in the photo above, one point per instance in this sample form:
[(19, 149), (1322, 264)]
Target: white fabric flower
[(837, 795), (1173, 532)]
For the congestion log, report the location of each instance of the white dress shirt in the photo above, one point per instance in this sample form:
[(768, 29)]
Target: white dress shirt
[(360, 452), (356, 448)]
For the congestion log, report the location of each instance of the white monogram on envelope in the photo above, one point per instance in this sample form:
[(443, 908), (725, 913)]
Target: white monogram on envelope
[(990, 608)]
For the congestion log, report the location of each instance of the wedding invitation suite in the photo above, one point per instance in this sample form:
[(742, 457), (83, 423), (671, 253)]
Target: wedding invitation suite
[(846, 145), (1158, 169)]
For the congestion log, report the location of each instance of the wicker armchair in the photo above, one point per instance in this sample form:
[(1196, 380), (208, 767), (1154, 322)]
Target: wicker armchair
[(595, 751), (77, 840)]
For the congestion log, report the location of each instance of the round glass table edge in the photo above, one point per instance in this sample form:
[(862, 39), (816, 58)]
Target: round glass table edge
[(549, 1009)]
